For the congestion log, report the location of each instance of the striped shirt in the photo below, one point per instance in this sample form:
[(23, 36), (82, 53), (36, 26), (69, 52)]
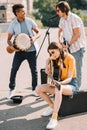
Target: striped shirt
[(67, 26)]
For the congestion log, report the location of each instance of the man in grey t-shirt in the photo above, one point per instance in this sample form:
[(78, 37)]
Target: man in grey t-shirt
[(21, 24)]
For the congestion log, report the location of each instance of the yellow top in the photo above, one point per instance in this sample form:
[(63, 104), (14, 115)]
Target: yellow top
[(70, 65)]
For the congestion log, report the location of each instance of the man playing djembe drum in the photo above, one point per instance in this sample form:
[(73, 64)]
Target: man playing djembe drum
[(21, 24)]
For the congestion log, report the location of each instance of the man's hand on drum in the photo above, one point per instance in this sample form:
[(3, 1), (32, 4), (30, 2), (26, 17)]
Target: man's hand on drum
[(10, 47), (13, 49), (32, 39)]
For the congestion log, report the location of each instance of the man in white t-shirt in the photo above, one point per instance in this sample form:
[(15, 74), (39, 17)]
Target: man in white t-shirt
[(72, 29)]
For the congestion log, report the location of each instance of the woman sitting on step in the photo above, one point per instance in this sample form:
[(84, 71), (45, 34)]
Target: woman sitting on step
[(67, 85)]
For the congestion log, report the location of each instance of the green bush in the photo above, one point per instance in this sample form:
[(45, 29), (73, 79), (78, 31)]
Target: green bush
[(44, 9)]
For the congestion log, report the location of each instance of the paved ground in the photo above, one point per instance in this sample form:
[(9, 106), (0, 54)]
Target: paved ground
[(27, 115)]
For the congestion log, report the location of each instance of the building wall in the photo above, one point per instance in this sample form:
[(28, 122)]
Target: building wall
[(28, 4), (3, 17)]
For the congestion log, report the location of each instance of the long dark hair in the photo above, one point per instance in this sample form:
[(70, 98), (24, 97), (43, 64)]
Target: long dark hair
[(63, 6), (54, 45)]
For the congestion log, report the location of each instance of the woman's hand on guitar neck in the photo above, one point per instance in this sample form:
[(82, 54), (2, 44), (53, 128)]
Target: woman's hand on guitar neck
[(48, 69)]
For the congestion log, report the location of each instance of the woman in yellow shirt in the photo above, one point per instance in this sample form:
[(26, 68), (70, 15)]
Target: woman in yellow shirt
[(67, 82)]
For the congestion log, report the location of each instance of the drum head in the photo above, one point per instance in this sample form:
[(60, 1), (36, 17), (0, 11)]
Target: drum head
[(22, 42)]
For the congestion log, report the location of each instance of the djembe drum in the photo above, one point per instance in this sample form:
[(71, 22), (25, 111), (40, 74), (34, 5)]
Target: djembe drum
[(21, 43)]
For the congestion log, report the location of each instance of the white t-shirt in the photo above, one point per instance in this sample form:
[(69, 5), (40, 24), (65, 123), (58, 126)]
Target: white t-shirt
[(67, 26)]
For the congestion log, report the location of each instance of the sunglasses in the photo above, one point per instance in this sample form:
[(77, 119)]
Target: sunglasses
[(57, 10), (52, 52)]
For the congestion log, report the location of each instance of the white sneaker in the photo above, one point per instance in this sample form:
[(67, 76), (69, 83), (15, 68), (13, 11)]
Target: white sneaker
[(48, 112), (11, 93), (34, 93), (52, 124)]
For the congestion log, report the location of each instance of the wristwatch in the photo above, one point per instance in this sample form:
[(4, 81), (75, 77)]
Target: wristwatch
[(69, 45)]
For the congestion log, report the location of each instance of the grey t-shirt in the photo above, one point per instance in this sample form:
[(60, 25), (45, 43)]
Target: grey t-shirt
[(25, 30), (26, 27)]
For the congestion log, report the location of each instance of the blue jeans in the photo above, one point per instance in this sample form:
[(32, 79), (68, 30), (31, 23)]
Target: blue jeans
[(75, 87), (19, 57), (79, 56)]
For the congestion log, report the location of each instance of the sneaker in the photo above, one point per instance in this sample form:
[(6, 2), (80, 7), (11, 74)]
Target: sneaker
[(48, 112), (34, 93), (52, 124), (11, 93)]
